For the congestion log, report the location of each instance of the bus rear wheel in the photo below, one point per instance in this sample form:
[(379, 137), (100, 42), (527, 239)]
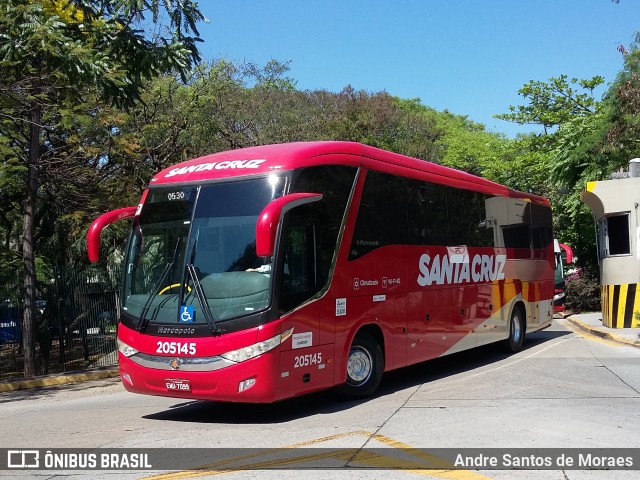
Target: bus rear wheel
[(365, 366), (517, 330)]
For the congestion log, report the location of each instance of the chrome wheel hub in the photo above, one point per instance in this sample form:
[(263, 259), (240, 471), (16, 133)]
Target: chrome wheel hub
[(359, 366)]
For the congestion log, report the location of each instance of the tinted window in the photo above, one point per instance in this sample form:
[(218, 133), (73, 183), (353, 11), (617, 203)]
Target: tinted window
[(382, 214), (525, 226), (516, 236), (541, 221), (224, 224), (427, 208), (310, 233), (396, 210), (618, 232), (468, 219)]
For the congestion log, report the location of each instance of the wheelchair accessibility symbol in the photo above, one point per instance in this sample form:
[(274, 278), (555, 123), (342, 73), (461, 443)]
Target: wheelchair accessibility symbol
[(187, 314)]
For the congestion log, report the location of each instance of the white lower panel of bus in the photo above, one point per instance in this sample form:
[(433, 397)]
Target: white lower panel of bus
[(496, 327)]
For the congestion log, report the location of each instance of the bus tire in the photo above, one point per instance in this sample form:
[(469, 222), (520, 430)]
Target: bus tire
[(365, 366), (517, 329)]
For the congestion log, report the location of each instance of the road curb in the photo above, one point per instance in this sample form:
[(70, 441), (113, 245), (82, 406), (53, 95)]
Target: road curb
[(602, 334), (53, 380)]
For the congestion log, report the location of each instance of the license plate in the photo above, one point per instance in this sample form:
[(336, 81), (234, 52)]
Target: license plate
[(177, 385)]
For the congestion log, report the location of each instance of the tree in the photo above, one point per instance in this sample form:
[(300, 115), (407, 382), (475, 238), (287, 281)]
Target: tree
[(559, 160), (225, 106), (55, 54), (591, 148), (552, 103)]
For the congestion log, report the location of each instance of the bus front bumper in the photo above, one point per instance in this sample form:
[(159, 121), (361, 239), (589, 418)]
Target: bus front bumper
[(245, 382)]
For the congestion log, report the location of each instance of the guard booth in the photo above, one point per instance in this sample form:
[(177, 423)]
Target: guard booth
[(616, 207)]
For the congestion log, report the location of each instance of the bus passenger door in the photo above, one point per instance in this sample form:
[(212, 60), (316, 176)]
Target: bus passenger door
[(302, 271)]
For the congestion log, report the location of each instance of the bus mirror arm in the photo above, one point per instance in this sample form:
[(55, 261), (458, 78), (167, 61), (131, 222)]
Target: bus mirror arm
[(93, 235), (270, 217)]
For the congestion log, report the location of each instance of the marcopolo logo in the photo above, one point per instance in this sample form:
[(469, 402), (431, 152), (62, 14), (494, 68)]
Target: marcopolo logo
[(201, 167), (440, 270)]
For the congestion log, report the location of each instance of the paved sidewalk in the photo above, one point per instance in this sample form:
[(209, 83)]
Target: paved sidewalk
[(59, 379), (592, 323)]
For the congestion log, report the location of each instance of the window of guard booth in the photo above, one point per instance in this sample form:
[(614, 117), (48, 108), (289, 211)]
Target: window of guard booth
[(614, 235)]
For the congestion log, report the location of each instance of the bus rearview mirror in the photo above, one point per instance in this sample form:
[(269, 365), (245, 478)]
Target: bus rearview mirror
[(270, 217), (93, 234)]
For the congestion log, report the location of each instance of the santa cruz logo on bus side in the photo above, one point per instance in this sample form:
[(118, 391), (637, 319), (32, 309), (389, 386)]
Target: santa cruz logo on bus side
[(201, 167), (443, 269)]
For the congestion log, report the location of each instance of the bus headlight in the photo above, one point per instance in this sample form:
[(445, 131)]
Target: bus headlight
[(252, 351), (125, 349)]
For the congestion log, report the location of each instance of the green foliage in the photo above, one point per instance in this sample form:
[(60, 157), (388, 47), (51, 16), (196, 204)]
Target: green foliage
[(585, 140), (85, 64), (552, 103), (73, 61), (62, 64), (98, 157), (580, 155), (572, 151), (225, 106), (98, 44), (578, 152), (591, 147), (623, 99), (459, 142), (583, 294)]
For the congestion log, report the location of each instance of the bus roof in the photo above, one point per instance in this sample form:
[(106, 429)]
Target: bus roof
[(266, 159)]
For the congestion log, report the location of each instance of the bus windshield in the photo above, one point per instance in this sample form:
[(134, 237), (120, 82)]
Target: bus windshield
[(192, 258)]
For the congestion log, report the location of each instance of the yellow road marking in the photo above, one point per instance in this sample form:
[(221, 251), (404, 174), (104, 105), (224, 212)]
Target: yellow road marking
[(590, 336), (366, 458), (451, 474)]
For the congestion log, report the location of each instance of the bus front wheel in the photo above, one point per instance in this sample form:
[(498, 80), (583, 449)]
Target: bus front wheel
[(365, 366), (517, 328)]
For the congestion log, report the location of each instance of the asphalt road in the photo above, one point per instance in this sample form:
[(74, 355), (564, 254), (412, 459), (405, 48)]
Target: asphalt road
[(566, 390)]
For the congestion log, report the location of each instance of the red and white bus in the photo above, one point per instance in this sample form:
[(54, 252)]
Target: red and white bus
[(264, 273)]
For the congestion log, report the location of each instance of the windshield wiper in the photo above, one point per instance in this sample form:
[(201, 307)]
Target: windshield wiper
[(143, 322), (202, 298)]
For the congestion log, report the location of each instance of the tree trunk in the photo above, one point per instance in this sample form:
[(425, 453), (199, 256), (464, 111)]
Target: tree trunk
[(28, 250)]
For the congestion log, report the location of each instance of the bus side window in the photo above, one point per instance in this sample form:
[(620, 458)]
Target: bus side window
[(427, 213), (305, 258), (310, 233), (382, 215)]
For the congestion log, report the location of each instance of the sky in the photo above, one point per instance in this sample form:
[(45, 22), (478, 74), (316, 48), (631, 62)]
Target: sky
[(468, 57)]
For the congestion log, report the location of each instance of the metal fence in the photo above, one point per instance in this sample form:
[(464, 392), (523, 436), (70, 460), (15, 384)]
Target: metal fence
[(75, 326)]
